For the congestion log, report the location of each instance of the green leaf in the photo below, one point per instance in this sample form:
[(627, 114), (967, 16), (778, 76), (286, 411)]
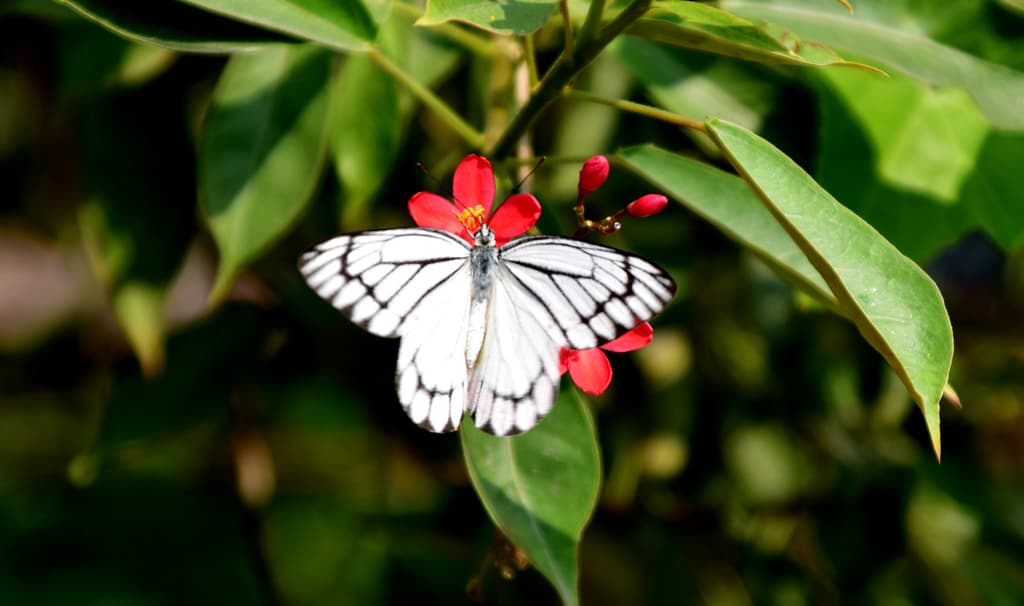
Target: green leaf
[(706, 28), (894, 304), (996, 89), (903, 154), (261, 151), (173, 25), (728, 203), (347, 26), (510, 17), (541, 487)]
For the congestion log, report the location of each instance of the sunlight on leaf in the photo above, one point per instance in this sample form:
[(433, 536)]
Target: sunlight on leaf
[(996, 88), (706, 28), (174, 25), (518, 17)]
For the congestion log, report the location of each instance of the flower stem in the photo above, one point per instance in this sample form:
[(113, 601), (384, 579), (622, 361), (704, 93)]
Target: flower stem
[(639, 108), (469, 134), (561, 73)]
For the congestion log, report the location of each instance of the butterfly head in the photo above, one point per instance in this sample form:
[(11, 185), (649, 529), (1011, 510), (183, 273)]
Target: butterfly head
[(484, 236)]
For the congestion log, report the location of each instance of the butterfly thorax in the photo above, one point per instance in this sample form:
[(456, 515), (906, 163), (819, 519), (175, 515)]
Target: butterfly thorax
[(483, 260)]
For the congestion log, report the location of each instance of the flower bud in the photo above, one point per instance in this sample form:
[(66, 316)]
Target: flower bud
[(593, 175), (648, 205)]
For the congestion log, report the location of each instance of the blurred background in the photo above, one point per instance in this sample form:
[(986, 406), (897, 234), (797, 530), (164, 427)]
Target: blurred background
[(758, 452)]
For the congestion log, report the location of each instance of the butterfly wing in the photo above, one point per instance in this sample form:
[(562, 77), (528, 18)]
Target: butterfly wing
[(410, 283), (552, 293)]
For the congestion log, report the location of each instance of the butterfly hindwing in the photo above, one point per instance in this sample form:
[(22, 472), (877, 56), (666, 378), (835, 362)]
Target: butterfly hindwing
[(432, 372)]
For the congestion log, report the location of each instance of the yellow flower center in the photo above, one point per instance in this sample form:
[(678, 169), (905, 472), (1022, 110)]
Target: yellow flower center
[(472, 217)]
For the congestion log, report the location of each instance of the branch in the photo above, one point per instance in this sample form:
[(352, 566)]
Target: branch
[(561, 73)]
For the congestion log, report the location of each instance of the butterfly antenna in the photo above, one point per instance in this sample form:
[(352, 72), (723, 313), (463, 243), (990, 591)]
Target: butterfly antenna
[(535, 168), (438, 185)]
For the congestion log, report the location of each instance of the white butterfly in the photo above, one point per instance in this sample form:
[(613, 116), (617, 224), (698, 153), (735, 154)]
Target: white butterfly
[(482, 327)]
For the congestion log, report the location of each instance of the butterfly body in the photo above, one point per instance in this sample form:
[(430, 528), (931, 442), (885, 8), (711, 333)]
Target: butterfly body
[(482, 326)]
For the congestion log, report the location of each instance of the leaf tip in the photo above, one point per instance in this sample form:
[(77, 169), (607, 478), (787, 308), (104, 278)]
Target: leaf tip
[(951, 396), (222, 286)]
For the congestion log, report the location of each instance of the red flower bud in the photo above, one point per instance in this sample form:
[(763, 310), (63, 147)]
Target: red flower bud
[(593, 175), (648, 205)]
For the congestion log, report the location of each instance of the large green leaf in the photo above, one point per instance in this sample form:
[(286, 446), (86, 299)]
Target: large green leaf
[(998, 90), (726, 201), (173, 25), (261, 150), (347, 25), (706, 28), (541, 487), (517, 17), (894, 304)]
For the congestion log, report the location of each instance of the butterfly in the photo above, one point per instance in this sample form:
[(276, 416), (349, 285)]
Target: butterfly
[(482, 326)]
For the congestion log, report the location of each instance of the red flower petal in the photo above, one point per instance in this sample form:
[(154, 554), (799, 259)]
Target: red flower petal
[(590, 370), (474, 183), (515, 215), (639, 337), (431, 210)]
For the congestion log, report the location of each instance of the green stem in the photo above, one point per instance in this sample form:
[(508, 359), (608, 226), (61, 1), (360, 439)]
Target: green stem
[(563, 6), (639, 108), (594, 15), (561, 73), (531, 59), (472, 136)]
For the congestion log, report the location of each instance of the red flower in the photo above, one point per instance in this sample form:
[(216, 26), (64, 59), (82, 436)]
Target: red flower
[(589, 368), (473, 192)]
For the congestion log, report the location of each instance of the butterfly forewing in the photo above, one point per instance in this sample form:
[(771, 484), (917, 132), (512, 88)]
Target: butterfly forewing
[(594, 293), (376, 278)]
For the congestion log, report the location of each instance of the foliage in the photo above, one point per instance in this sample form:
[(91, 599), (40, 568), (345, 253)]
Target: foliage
[(184, 421)]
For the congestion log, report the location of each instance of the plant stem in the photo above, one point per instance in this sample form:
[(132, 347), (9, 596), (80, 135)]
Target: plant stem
[(639, 108), (530, 53), (570, 48), (472, 136), (561, 73), (594, 15)]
